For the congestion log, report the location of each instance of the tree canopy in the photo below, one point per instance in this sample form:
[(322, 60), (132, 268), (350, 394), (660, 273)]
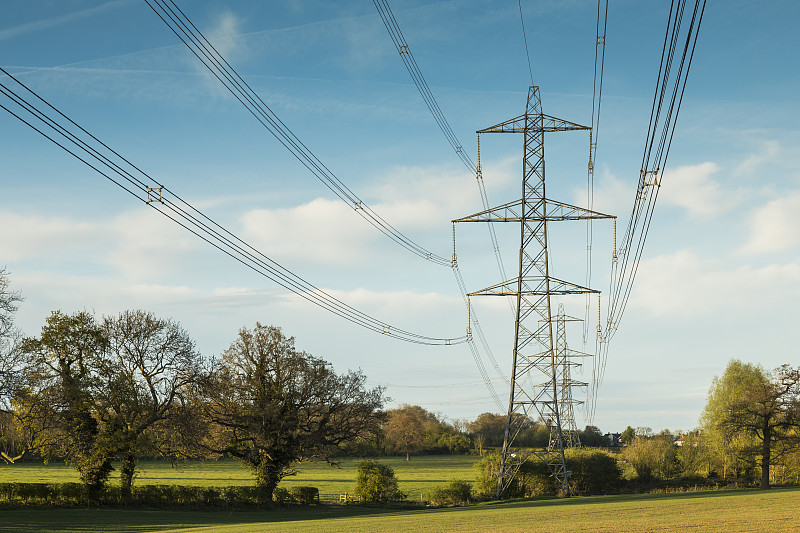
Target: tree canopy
[(747, 401), (270, 405)]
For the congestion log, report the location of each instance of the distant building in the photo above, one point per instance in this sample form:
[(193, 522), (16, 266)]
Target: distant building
[(613, 439)]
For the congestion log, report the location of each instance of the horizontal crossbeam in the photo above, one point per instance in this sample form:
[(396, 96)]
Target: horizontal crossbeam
[(549, 124), (555, 211), (511, 288)]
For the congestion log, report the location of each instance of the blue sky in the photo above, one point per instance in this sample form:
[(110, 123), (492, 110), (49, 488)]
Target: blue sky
[(719, 277)]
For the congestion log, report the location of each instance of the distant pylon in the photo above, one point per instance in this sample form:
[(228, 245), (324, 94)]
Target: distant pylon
[(534, 354), (565, 361)]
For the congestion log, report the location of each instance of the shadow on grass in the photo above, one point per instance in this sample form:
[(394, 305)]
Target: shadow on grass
[(146, 520)]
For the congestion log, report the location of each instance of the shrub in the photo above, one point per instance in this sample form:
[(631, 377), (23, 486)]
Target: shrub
[(533, 479), (376, 482), (305, 495), (281, 496), (456, 492), (593, 471)]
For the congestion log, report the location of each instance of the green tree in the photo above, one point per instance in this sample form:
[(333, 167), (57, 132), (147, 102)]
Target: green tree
[(58, 402), (653, 457), (376, 482), (592, 436), (748, 401), (693, 454), (270, 406), (150, 364), (627, 436)]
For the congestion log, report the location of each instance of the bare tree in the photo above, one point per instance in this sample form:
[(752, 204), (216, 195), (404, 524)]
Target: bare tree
[(149, 366), (10, 358)]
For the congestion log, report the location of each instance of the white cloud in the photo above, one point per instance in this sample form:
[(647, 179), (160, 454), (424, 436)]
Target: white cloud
[(774, 226), (769, 151), (33, 236), (137, 244), (687, 285), (419, 202), (226, 37), (611, 195), (146, 244), (326, 231), (692, 188)]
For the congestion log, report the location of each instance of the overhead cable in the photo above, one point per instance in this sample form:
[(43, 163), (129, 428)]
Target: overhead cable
[(407, 56), (416, 75), (202, 48), (667, 100), (78, 142)]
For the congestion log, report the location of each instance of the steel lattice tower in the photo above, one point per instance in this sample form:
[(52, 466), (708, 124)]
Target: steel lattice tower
[(565, 361), (537, 385)]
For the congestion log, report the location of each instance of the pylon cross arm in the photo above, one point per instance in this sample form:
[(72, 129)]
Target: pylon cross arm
[(531, 122)]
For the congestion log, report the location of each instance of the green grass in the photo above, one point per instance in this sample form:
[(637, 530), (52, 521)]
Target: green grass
[(416, 477), (723, 511)]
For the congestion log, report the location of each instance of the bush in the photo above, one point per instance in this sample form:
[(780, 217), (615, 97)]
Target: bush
[(281, 496), (456, 492), (533, 479), (593, 471), (305, 495), (376, 482)]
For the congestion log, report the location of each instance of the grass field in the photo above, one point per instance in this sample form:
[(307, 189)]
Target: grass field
[(416, 477), (724, 511)]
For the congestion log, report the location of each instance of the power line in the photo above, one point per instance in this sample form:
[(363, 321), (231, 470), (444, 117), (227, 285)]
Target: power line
[(667, 100), (525, 39), (407, 56), (202, 48), (78, 142), (396, 35)]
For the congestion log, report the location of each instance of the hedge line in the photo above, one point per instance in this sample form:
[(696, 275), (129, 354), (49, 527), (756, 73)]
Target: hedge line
[(75, 495)]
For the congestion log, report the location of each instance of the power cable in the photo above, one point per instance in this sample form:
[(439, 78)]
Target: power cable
[(202, 48), (667, 100), (85, 147), (525, 39), (407, 56)]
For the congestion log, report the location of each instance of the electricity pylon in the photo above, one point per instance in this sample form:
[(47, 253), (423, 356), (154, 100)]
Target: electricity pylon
[(565, 361), (533, 289)]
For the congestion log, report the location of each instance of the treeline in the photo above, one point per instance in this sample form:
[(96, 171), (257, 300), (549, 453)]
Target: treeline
[(92, 392), (750, 432)]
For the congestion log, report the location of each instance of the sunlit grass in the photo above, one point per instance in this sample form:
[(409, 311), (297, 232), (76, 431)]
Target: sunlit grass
[(416, 477), (721, 511)]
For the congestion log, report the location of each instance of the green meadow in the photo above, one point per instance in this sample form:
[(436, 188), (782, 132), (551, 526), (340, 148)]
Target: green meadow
[(416, 477), (725, 511)]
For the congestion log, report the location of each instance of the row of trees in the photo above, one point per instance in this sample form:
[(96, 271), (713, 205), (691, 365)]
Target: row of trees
[(92, 392), (750, 429)]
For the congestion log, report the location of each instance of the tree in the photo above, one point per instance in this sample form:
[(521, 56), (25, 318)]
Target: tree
[(412, 429), (151, 363), (748, 401), (57, 404), (627, 436), (270, 406), (11, 372), (10, 357), (488, 430), (653, 457), (591, 436), (693, 454)]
